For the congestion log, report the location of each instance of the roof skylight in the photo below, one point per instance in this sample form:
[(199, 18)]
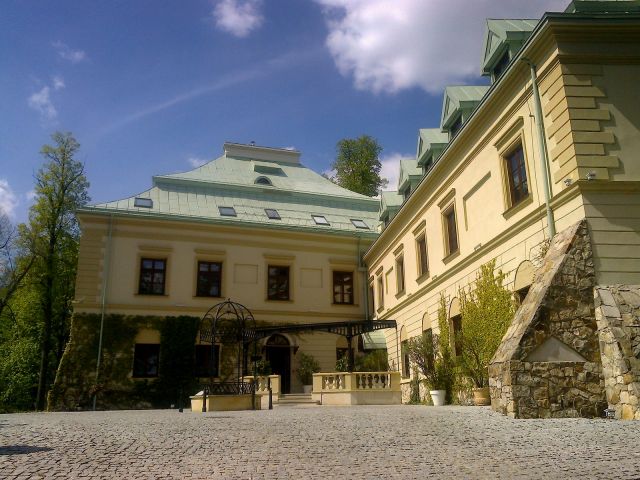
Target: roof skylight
[(143, 202), (320, 220), (227, 211), (272, 213), (359, 223)]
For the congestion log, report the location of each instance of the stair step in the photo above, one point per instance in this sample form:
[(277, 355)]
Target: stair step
[(297, 399)]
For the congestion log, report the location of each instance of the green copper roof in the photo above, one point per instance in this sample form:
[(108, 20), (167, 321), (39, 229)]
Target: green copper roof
[(600, 6), (430, 140), (296, 192), (458, 98), (410, 174), (390, 203), (502, 35)]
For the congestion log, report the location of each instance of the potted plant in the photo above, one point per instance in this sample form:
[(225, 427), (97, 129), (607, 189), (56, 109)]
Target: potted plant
[(307, 366), (435, 364)]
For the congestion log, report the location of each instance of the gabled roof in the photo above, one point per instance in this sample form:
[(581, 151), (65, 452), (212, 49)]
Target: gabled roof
[(390, 203), (409, 172), (431, 139), (457, 98), (296, 192), (499, 34)]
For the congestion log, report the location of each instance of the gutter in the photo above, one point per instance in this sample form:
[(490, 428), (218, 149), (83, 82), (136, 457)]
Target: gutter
[(103, 303)]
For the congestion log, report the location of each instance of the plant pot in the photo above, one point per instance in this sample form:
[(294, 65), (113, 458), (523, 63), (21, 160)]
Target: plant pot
[(481, 396), (307, 389), (438, 397)]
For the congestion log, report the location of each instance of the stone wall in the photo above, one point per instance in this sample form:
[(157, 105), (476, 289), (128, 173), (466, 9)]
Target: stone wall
[(548, 363), (618, 316)]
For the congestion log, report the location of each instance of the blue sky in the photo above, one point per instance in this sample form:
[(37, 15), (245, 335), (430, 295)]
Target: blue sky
[(151, 87)]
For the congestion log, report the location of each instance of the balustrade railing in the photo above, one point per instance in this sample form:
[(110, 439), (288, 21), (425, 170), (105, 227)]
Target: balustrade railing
[(262, 384), (355, 381)]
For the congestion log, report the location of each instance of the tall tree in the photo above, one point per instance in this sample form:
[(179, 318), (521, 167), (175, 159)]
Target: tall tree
[(52, 237), (357, 165), (13, 266)]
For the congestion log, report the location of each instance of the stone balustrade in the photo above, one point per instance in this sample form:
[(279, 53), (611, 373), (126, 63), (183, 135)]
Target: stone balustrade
[(262, 384), (357, 388)]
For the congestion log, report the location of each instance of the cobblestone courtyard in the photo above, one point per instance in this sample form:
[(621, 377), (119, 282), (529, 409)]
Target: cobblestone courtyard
[(315, 442)]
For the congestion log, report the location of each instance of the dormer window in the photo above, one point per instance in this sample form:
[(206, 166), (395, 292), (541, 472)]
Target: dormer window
[(501, 65), (455, 127), (359, 224), (263, 181)]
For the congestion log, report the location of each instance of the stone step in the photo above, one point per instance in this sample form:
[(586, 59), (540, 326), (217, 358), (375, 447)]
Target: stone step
[(297, 399)]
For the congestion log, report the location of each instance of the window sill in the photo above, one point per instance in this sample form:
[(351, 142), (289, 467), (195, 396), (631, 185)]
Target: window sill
[(380, 309), (400, 293), (451, 256), (151, 295), (279, 300), (422, 277), (337, 304), (208, 296), (511, 211)]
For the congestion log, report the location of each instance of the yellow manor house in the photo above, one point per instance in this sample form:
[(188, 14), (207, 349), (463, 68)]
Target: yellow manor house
[(542, 160)]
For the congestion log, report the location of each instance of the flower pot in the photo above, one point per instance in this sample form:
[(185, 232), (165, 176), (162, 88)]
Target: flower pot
[(307, 389), (481, 396), (438, 397)]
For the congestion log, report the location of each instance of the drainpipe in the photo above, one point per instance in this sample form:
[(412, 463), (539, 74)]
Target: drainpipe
[(107, 261), (542, 144)]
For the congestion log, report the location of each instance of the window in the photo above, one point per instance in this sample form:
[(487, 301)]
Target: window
[(359, 224), (209, 279), (517, 175), (380, 287), (145, 360), (451, 230), (343, 288), (263, 181), (455, 127), (456, 330), (406, 364), (278, 283), (207, 360), (421, 254), (406, 194), (143, 202), (272, 213), (371, 295), (427, 165), (400, 274), (320, 220), (152, 276), (501, 66), (227, 211)]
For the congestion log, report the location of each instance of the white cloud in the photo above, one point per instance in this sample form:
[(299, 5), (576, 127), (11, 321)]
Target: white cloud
[(391, 45), (41, 102), (58, 82), (196, 162), (67, 53), (31, 195), (238, 17), (391, 169), (8, 199)]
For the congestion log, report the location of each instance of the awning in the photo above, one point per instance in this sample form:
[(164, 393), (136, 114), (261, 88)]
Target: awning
[(374, 340)]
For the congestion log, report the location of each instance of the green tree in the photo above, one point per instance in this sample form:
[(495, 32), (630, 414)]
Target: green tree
[(357, 165), (52, 238), (487, 311), (14, 263)]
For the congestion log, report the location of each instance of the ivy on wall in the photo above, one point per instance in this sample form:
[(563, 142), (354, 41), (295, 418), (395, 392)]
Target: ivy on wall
[(76, 384)]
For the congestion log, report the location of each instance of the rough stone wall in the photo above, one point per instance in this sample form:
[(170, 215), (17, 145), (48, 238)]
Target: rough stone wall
[(618, 316), (559, 305)]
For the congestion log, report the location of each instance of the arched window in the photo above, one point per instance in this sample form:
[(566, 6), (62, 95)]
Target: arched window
[(263, 181)]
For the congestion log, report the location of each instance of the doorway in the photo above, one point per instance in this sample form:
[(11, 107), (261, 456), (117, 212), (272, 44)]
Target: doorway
[(278, 352)]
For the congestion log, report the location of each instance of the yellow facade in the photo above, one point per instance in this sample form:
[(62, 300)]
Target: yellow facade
[(592, 129)]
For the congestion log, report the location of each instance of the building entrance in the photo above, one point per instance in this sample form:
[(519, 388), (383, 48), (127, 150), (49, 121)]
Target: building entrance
[(278, 350)]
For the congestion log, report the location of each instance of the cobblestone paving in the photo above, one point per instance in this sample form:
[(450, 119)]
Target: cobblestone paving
[(315, 442)]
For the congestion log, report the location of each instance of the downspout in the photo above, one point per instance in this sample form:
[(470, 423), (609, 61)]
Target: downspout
[(103, 303), (542, 144)]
